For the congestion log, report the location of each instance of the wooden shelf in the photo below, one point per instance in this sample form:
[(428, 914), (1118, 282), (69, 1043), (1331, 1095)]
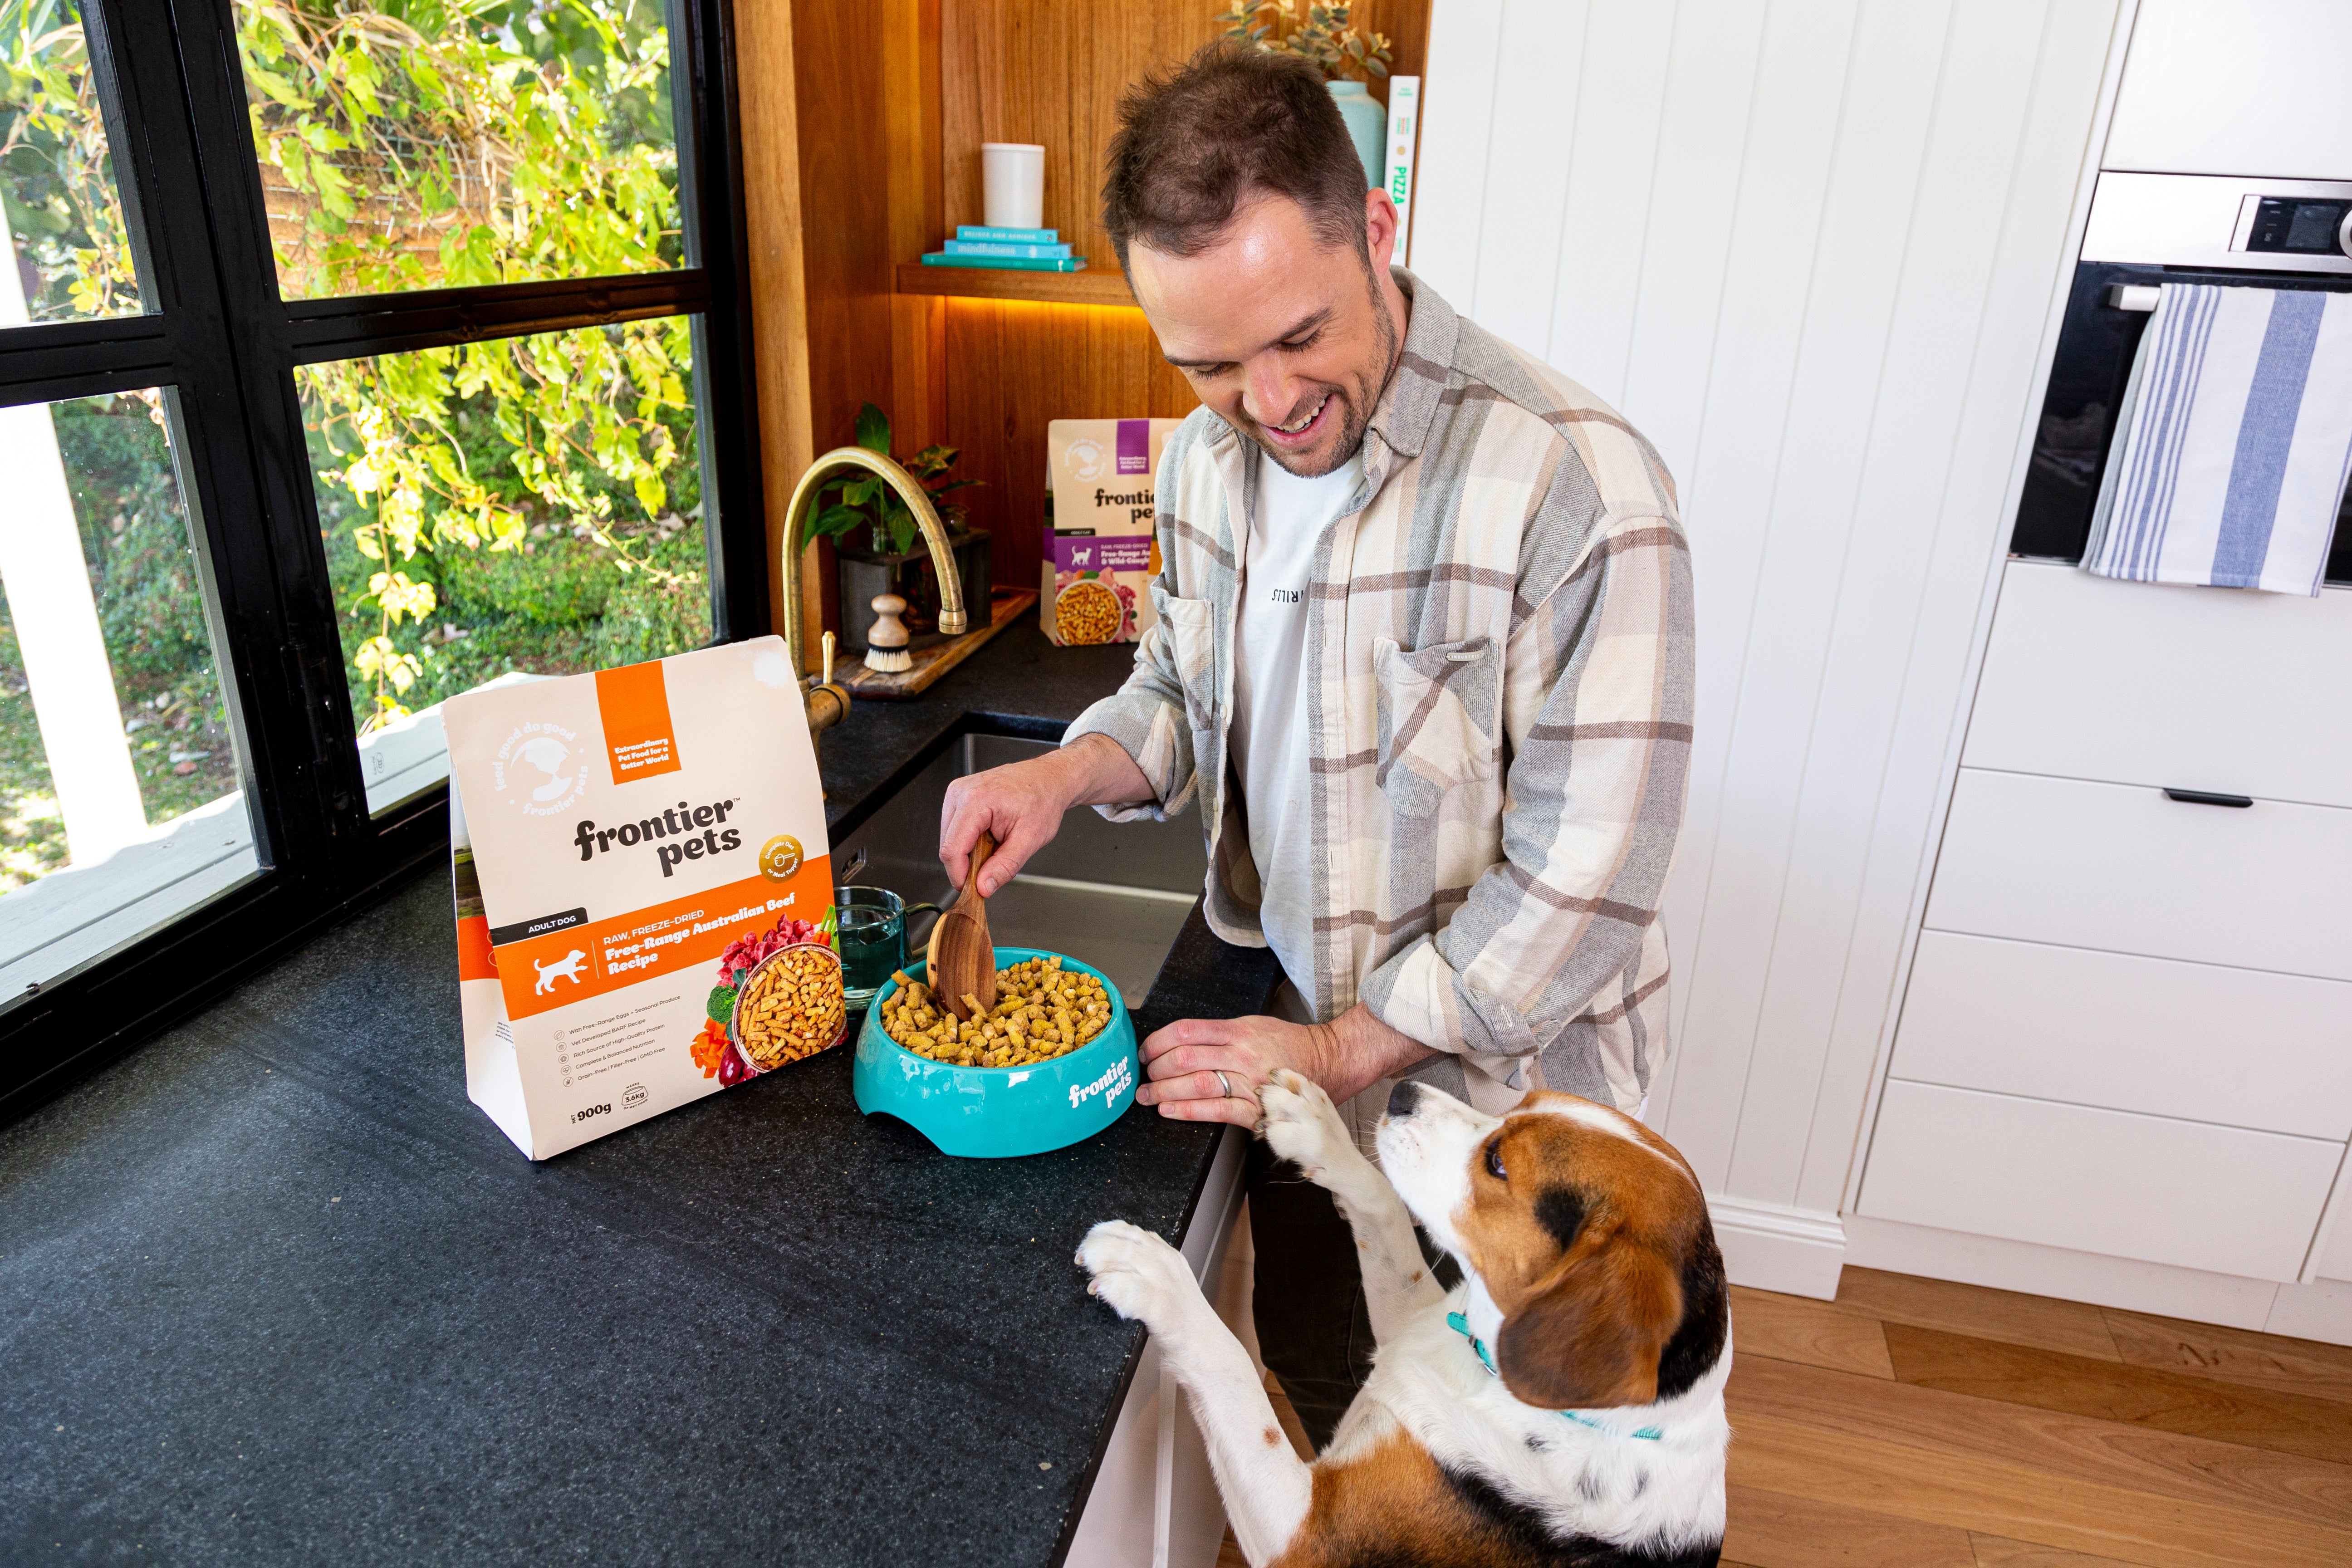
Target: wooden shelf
[(1108, 286)]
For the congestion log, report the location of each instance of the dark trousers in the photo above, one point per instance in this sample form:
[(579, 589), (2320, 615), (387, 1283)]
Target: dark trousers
[(1308, 1293), (1308, 1301)]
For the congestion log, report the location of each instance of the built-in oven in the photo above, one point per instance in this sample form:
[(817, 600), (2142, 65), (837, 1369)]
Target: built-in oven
[(2146, 230)]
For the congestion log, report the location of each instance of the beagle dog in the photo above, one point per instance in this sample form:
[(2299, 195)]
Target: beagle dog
[(1562, 1405)]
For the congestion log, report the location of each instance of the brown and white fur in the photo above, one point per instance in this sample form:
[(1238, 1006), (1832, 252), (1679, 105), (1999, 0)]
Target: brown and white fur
[(1590, 1272)]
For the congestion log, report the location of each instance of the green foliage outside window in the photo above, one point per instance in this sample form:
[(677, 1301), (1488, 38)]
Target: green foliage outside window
[(527, 503)]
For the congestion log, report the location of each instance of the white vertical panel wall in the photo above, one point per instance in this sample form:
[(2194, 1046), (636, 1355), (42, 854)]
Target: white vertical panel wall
[(1809, 248)]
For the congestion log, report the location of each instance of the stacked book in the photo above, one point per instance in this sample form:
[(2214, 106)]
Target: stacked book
[(1011, 249)]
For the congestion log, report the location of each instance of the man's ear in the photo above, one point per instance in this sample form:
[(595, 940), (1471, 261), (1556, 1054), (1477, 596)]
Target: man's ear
[(1590, 1334)]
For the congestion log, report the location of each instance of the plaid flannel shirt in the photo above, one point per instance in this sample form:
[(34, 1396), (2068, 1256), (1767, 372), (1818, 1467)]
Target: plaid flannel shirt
[(1498, 681)]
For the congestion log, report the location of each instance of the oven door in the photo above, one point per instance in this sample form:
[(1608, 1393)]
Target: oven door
[(2096, 346)]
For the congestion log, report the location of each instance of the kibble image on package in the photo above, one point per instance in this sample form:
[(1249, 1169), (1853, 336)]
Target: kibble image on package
[(1101, 549)]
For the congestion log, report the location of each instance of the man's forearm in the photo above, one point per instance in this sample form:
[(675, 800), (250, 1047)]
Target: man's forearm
[(1357, 1051), (1096, 771)]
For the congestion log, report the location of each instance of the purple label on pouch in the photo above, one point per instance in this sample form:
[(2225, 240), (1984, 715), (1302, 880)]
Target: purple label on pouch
[(1135, 446), (1083, 553)]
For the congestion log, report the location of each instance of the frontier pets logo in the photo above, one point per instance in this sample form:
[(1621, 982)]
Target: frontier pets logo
[(1115, 1081), (541, 769)]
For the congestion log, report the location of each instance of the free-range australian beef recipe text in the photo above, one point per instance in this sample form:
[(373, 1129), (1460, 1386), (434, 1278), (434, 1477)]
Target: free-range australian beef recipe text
[(635, 852)]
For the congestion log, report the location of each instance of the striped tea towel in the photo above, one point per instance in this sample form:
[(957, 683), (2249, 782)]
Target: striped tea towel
[(2235, 442)]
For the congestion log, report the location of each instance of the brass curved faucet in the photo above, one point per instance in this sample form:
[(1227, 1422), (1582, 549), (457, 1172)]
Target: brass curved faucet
[(828, 703)]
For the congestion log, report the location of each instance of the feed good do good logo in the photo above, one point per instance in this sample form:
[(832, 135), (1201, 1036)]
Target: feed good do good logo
[(541, 769)]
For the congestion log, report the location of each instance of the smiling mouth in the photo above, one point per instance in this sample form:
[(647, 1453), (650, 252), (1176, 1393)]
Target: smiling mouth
[(1301, 425)]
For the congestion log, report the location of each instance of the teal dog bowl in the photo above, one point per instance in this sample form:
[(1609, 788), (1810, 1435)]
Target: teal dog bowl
[(995, 1112)]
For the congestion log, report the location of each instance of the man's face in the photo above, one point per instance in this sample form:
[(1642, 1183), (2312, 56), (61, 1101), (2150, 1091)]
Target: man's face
[(1286, 339)]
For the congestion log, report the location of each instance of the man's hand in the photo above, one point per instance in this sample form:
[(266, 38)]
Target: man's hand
[(1345, 1056), (1020, 804)]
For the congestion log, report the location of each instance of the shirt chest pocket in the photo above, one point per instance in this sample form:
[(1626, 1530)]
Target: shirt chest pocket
[(1438, 714)]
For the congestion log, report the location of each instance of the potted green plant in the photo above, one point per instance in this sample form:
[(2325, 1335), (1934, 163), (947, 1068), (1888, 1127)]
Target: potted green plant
[(1328, 39), (878, 550)]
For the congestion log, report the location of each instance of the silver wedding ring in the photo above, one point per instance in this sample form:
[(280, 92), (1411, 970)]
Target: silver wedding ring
[(1224, 1083)]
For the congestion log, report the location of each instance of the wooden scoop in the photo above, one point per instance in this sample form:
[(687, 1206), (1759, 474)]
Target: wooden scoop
[(963, 958)]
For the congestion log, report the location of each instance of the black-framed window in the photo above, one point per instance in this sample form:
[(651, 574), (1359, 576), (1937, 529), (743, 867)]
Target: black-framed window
[(353, 353)]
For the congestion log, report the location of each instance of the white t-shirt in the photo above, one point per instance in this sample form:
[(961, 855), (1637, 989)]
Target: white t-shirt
[(1268, 735)]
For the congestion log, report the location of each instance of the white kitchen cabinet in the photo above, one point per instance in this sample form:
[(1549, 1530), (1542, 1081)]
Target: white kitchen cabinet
[(2210, 689), (2334, 1259), (2252, 86), (2125, 869), (2237, 1047), (1154, 1501), (2187, 1194)]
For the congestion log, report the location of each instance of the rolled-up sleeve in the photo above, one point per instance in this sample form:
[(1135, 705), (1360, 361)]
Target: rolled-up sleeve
[(1597, 707), (1147, 717)]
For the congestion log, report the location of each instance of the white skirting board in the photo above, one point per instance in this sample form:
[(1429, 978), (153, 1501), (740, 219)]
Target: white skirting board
[(2320, 1311), (1770, 1246)]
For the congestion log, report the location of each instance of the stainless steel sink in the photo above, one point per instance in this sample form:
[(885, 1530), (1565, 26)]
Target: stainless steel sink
[(1113, 895)]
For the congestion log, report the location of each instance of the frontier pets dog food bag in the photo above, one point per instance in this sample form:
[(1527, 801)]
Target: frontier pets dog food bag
[(1101, 552), (628, 847)]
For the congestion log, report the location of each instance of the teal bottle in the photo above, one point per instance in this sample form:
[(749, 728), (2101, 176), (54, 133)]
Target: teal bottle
[(1367, 125)]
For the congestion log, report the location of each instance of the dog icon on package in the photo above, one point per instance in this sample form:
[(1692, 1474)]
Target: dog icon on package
[(564, 968)]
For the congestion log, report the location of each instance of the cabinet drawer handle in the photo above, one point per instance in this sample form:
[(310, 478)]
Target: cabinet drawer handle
[(2207, 797)]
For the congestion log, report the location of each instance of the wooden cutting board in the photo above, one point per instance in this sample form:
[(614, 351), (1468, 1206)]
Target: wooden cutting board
[(931, 662)]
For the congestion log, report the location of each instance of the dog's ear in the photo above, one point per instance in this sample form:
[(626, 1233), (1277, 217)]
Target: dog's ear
[(1590, 1333)]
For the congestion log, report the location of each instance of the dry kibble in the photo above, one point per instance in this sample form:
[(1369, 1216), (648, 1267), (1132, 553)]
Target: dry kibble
[(791, 1007), (1016, 1032), (1086, 611)]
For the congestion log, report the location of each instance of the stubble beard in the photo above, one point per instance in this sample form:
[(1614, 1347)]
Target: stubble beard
[(1358, 401)]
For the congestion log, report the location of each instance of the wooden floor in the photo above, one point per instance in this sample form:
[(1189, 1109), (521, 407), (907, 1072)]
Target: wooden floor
[(1914, 1423)]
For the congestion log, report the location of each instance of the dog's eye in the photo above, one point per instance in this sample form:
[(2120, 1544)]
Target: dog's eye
[(1494, 1160)]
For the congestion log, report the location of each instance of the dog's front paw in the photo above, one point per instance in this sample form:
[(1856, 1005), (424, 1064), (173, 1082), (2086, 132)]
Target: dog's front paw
[(1302, 1125), (1137, 1272)]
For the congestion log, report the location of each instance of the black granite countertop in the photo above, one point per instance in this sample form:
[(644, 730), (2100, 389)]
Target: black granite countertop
[(274, 1292)]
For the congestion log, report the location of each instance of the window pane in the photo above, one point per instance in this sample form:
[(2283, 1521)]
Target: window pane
[(530, 506), (69, 252), (119, 797), (461, 141)]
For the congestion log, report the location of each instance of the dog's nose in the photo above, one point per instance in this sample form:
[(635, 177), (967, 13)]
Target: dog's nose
[(1403, 1098)]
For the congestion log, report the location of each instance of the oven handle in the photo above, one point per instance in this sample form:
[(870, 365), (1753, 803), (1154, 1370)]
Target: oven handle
[(2132, 296), (2207, 797)]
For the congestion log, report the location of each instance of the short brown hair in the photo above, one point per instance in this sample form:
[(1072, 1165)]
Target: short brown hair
[(1231, 123)]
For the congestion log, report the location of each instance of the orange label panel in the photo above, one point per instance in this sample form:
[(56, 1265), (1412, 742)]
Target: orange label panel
[(474, 959), (543, 973), (633, 704)]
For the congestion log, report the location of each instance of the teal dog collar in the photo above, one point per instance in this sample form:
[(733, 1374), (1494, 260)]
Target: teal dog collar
[(1461, 1325)]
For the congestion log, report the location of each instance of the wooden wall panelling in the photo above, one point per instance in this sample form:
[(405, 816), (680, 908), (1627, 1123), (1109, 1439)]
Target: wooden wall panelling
[(770, 130), (917, 401), (910, 123), (1051, 72), (844, 68), (1012, 367), (916, 398)]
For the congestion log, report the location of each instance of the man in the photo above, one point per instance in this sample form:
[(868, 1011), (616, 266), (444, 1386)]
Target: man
[(1423, 661)]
